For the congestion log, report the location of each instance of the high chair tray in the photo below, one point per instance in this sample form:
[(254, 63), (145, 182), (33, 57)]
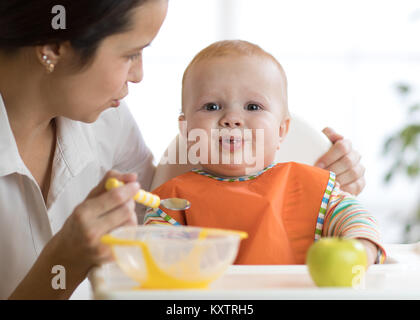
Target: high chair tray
[(399, 278)]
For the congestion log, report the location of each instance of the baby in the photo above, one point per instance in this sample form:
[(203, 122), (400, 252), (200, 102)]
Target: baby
[(236, 93)]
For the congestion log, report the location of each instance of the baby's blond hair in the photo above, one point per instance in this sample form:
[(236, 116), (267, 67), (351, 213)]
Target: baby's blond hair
[(236, 48)]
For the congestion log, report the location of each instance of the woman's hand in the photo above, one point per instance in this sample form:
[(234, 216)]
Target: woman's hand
[(101, 212), (344, 162), (77, 245)]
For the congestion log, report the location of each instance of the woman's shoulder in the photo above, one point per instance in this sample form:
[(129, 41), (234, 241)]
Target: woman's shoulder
[(113, 120), (114, 136), (113, 141)]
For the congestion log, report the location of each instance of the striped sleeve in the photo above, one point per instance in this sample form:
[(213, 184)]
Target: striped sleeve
[(161, 215), (345, 217), (157, 216)]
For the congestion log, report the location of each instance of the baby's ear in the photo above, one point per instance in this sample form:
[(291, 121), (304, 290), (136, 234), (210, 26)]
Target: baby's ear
[(182, 124), (283, 130)]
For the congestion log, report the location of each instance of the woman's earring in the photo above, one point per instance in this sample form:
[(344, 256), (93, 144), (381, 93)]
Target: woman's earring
[(50, 65)]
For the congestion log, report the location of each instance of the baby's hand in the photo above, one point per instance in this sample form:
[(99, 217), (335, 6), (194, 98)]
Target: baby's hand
[(371, 251)]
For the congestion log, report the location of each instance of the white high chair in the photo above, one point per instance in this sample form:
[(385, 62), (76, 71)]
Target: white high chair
[(302, 144)]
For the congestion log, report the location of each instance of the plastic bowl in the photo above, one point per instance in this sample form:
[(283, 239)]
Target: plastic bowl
[(173, 257)]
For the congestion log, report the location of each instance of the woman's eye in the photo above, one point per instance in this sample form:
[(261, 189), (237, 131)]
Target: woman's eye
[(211, 106), (134, 56), (253, 107)]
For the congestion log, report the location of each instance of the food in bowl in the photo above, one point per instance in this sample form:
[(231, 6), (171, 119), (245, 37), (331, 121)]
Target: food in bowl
[(174, 257)]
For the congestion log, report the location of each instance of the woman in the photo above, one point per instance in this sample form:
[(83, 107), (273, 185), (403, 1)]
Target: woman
[(63, 132)]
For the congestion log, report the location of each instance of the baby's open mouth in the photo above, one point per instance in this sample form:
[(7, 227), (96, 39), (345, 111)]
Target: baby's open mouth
[(231, 143)]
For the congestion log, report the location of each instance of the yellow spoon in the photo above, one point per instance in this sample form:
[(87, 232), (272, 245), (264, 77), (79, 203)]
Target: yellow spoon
[(149, 199)]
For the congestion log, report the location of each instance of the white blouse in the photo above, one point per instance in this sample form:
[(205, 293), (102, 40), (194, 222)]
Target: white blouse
[(83, 154)]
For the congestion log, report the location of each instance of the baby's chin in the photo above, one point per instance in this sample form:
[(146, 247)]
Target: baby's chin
[(232, 170)]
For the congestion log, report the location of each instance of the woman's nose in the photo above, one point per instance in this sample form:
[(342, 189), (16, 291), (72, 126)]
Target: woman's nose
[(231, 120), (135, 74)]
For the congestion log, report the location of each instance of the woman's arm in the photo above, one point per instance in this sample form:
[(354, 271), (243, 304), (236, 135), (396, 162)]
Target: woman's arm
[(77, 245), (37, 284)]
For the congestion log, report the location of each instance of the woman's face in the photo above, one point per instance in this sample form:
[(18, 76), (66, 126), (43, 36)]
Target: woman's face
[(84, 95)]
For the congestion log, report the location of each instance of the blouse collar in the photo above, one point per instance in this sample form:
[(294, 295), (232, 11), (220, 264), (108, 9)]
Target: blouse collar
[(75, 145)]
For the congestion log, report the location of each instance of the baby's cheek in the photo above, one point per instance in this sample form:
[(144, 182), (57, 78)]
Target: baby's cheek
[(268, 149)]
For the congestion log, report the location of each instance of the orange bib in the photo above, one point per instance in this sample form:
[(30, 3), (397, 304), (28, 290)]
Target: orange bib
[(278, 209)]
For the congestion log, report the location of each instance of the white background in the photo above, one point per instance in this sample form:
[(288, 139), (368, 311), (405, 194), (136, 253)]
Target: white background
[(343, 60)]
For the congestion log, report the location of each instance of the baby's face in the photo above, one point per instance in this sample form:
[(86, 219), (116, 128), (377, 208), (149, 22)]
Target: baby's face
[(238, 94)]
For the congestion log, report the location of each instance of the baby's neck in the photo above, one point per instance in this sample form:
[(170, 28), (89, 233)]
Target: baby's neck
[(250, 173)]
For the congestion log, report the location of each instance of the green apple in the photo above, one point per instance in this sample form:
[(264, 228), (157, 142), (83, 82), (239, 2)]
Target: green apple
[(336, 262)]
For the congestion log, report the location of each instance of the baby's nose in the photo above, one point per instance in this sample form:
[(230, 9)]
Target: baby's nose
[(231, 121)]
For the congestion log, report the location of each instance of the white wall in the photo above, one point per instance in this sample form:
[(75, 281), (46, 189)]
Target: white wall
[(343, 60)]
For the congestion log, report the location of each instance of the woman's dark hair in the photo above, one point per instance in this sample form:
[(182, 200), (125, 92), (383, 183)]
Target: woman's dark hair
[(28, 23)]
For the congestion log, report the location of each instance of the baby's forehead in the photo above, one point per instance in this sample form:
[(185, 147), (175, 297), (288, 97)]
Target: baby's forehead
[(236, 56), (211, 70), (221, 65), (227, 90)]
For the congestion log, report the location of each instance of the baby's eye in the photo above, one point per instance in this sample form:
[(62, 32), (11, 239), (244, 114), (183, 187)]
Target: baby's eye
[(211, 106), (253, 107)]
